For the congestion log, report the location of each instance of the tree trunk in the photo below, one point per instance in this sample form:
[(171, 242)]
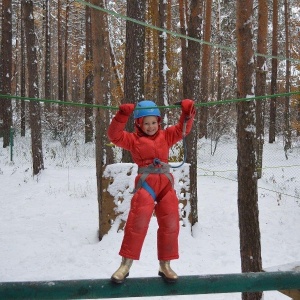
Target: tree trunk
[(101, 58), (33, 90), (89, 78), (287, 115), (66, 64), (191, 90), (120, 92), (6, 70), (60, 58), (152, 54), (298, 113), (250, 248), (261, 74), (273, 103), (134, 60), (162, 50), (184, 44), (47, 55), (203, 112), (23, 75)]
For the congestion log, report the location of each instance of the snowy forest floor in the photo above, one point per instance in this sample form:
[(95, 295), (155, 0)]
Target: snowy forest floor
[(49, 223)]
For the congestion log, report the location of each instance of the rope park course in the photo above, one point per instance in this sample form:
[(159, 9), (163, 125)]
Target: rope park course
[(175, 34), (96, 106), (153, 286)]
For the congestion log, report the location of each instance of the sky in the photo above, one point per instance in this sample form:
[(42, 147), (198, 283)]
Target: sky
[(49, 223)]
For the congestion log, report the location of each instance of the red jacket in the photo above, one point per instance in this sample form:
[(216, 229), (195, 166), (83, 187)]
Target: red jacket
[(145, 148)]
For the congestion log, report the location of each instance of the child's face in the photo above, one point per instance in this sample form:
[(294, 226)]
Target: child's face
[(150, 125)]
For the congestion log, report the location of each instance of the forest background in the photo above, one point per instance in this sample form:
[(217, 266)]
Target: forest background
[(67, 65)]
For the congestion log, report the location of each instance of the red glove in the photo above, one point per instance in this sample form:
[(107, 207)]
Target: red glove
[(126, 109), (188, 107)]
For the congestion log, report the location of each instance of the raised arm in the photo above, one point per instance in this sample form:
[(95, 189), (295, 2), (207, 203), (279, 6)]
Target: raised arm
[(183, 127), (116, 133)]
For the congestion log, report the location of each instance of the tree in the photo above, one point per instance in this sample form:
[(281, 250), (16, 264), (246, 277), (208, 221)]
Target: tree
[(273, 103), (89, 77), (152, 52), (66, 56), (60, 56), (102, 83), (184, 43), (47, 52), (261, 74), (162, 50), (191, 89), (134, 59), (6, 70), (205, 71), (250, 248), (33, 89), (287, 115), (23, 76)]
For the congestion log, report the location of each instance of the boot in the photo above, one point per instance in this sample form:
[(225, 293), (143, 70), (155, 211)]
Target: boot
[(166, 272), (123, 271)]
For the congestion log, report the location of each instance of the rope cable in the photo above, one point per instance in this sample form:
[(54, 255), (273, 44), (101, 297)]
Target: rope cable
[(279, 192), (211, 103), (175, 34)]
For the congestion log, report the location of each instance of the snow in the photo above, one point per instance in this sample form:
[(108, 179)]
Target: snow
[(49, 223)]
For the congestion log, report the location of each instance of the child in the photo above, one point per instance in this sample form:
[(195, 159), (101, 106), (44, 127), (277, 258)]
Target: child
[(149, 146)]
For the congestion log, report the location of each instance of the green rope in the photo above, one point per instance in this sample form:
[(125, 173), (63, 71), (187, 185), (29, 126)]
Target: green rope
[(175, 34), (212, 103), (7, 97)]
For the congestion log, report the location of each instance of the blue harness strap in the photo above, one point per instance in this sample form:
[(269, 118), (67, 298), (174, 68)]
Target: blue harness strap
[(149, 189)]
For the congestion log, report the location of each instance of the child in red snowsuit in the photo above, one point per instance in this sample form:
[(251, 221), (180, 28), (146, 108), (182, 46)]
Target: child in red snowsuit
[(149, 146)]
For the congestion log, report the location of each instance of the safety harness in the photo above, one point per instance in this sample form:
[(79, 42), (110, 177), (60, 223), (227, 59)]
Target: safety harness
[(158, 167)]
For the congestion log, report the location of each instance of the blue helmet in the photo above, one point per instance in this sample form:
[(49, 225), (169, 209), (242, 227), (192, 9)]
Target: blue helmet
[(149, 110)]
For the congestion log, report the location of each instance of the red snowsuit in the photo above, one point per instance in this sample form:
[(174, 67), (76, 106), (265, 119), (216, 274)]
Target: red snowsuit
[(144, 149)]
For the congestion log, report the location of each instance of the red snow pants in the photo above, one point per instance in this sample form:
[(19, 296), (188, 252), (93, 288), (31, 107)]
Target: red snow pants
[(141, 210)]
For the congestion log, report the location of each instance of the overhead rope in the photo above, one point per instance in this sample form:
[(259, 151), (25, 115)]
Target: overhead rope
[(211, 103), (179, 35)]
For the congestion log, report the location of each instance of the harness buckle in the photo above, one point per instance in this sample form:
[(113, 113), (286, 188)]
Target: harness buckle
[(156, 161)]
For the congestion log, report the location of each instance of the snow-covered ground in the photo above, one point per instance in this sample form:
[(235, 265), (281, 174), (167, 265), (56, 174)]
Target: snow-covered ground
[(48, 224)]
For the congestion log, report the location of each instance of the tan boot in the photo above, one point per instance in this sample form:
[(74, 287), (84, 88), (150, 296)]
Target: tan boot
[(123, 271), (166, 272)]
